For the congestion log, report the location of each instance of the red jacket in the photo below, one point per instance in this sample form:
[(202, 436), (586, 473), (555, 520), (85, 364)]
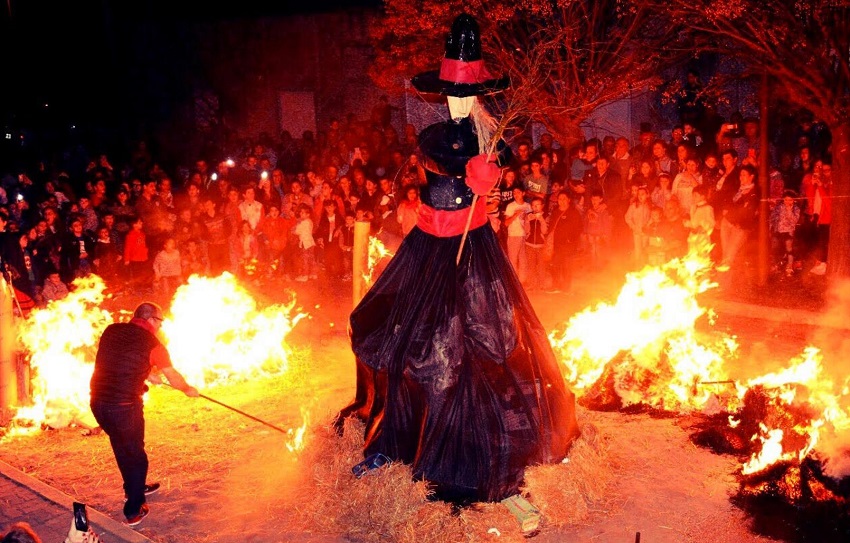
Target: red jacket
[(135, 247), (810, 190)]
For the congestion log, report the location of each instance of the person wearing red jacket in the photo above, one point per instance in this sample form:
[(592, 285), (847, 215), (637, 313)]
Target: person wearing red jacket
[(136, 257), (818, 191)]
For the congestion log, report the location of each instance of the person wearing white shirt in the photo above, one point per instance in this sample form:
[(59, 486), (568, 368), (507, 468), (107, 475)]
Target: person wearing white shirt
[(250, 209), (515, 215)]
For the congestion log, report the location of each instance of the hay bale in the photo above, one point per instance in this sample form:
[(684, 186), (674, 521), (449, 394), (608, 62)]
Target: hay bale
[(387, 505), (565, 492)]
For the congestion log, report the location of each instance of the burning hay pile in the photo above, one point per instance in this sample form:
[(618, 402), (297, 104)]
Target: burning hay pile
[(643, 354), (790, 427), (216, 333)]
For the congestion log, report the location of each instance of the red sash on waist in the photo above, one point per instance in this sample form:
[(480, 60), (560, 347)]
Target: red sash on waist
[(445, 224)]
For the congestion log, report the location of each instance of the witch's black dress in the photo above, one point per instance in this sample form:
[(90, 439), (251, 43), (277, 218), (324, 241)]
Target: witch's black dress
[(456, 376)]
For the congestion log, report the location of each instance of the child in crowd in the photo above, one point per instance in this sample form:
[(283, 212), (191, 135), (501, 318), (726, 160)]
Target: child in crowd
[(662, 192), (192, 259), (346, 242), (306, 244), (136, 257), (408, 210), (598, 225), (327, 234), (701, 222), (53, 289), (637, 218), (167, 270), (783, 224), (535, 239), (516, 214), (248, 250), (551, 203), (655, 253), (106, 256), (272, 234)]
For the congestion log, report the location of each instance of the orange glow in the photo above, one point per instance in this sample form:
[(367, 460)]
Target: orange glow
[(62, 341), (377, 252), (653, 321), (215, 333)]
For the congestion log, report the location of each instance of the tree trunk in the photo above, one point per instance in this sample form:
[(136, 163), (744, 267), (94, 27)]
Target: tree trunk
[(764, 185), (839, 232)]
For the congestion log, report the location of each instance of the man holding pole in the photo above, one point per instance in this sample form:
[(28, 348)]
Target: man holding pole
[(128, 354)]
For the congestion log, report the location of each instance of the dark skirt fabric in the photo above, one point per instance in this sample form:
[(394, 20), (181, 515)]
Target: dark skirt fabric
[(456, 375)]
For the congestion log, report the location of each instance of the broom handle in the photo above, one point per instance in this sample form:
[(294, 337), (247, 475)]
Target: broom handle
[(469, 220), (466, 229)]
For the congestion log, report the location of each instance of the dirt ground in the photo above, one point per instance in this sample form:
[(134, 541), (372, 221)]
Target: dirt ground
[(228, 478)]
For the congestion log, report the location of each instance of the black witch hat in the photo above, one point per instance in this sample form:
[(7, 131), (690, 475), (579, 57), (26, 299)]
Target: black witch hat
[(462, 72)]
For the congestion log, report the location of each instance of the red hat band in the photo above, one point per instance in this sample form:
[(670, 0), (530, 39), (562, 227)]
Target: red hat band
[(458, 71)]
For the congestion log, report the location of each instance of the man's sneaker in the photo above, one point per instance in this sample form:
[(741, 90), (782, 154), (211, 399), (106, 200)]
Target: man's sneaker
[(138, 517), (152, 488), (819, 268)]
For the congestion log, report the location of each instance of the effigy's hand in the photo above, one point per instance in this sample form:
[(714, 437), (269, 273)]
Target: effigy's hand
[(482, 174)]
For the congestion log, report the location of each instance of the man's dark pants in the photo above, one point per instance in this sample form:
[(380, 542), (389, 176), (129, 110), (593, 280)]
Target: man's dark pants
[(125, 426)]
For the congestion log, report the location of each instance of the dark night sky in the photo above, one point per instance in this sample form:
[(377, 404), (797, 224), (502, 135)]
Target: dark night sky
[(73, 55)]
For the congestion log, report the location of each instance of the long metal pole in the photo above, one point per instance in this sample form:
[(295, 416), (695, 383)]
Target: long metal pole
[(244, 414)]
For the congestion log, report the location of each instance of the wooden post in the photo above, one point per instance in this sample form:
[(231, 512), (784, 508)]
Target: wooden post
[(8, 361), (360, 260)]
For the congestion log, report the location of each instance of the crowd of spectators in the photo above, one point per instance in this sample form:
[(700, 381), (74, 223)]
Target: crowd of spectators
[(284, 209)]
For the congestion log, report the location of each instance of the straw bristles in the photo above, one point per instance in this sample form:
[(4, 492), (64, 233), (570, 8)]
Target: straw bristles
[(565, 493), (388, 505)]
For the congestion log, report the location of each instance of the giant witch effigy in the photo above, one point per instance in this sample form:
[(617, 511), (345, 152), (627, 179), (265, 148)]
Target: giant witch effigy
[(455, 373)]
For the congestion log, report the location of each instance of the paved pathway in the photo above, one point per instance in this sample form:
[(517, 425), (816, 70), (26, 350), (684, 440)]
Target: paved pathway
[(26, 499)]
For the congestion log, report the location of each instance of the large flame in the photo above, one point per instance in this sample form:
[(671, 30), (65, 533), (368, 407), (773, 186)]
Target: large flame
[(653, 320), (646, 345), (807, 402), (62, 341), (215, 333)]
